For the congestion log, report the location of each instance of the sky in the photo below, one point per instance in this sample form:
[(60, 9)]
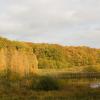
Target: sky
[(65, 22)]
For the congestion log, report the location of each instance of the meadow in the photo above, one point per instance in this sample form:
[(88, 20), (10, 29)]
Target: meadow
[(59, 86)]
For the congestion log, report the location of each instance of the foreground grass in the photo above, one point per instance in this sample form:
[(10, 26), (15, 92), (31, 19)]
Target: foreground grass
[(69, 88), (53, 95)]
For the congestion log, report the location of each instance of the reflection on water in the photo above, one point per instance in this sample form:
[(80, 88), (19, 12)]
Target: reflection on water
[(95, 85)]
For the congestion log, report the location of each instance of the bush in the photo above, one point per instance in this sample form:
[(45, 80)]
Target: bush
[(46, 83), (91, 69)]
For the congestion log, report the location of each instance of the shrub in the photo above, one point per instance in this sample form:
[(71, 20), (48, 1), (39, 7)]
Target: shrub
[(46, 83), (91, 69)]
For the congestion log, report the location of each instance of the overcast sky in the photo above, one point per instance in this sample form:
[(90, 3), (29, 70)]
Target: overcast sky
[(67, 22)]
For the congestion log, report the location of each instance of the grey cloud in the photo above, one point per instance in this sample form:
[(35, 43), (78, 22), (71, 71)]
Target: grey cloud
[(61, 21)]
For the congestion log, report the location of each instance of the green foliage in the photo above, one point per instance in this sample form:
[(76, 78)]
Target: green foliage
[(4, 42), (92, 68), (56, 56), (50, 56), (45, 83), (9, 76)]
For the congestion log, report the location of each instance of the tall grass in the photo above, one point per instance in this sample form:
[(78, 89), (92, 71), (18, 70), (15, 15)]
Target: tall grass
[(34, 87)]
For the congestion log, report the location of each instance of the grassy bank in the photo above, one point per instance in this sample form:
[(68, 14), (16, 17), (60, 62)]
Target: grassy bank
[(43, 87)]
